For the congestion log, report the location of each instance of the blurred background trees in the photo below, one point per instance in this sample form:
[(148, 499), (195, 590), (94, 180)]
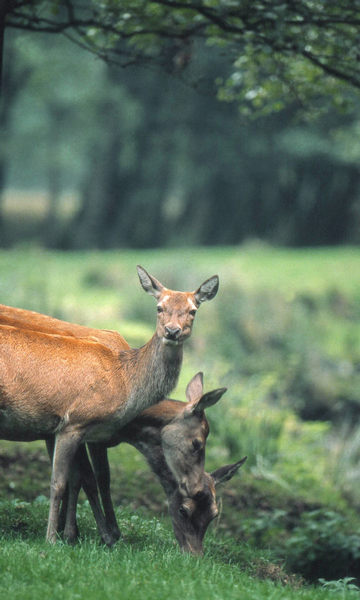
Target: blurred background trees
[(147, 157)]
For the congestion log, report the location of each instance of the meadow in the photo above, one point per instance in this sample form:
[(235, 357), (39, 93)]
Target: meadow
[(283, 336)]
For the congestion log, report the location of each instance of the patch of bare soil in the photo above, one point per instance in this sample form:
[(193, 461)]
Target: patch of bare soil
[(24, 474)]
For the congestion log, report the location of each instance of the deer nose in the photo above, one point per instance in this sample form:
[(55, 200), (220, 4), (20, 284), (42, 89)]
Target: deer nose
[(172, 333)]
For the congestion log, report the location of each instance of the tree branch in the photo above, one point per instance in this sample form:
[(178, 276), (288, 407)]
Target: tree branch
[(331, 70)]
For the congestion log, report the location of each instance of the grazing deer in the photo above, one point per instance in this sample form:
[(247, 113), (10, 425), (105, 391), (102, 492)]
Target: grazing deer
[(190, 517), (172, 436), (78, 390)]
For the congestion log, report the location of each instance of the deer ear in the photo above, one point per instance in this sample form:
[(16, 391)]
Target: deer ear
[(194, 389), (205, 401), (225, 473), (207, 290), (151, 285)]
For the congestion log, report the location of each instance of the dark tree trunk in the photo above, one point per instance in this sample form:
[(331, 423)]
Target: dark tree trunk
[(4, 9), (4, 111)]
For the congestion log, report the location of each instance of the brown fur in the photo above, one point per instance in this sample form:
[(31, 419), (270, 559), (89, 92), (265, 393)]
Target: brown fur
[(28, 319)]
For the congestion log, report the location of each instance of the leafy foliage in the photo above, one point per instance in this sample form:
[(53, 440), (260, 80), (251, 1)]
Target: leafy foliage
[(282, 51), (321, 543)]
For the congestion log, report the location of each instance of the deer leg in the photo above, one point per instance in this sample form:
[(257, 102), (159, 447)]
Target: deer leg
[(83, 475), (69, 502), (66, 444), (50, 445), (100, 463)]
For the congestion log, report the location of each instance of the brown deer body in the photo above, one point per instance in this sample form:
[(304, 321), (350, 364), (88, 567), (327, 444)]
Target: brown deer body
[(78, 390)]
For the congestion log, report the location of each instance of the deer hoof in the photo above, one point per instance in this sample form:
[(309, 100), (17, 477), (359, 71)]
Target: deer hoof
[(109, 539)]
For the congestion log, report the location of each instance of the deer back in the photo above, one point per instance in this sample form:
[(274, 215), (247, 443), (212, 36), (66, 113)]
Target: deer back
[(31, 320)]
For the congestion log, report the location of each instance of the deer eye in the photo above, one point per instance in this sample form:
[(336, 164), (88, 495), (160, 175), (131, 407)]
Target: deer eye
[(192, 312), (159, 309), (183, 511), (196, 445)]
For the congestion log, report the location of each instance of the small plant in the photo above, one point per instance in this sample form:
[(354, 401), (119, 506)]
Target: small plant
[(340, 585), (266, 527)]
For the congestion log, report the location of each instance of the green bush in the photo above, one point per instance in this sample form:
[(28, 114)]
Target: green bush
[(320, 546)]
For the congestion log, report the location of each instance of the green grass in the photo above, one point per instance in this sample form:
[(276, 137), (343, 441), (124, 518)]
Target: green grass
[(145, 565)]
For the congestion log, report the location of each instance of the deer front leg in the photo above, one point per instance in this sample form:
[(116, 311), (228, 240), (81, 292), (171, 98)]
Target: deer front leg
[(50, 444), (100, 463), (66, 444), (69, 502)]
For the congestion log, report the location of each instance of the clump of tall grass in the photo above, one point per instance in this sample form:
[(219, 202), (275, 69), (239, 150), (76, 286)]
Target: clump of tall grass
[(246, 424), (344, 454)]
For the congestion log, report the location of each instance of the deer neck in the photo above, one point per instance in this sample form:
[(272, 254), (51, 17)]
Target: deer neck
[(156, 461), (151, 372), (144, 433), (146, 438)]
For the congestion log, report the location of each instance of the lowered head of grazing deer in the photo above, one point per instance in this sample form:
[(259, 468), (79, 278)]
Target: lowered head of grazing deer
[(172, 436), (192, 516)]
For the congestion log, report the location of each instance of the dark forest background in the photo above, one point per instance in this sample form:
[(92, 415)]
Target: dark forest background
[(94, 156)]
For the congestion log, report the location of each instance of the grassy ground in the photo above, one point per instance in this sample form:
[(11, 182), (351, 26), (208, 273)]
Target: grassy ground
[(282, 335), (145, 565)]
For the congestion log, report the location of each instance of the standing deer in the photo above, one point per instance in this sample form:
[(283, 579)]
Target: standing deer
[(78, 390)]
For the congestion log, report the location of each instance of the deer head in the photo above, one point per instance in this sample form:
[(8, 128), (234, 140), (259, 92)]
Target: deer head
[(176, 310), (183, 439), (192, 516)]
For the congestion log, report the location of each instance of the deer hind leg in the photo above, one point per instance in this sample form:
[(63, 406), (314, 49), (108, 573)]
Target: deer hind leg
[(100, 463), (66, 444), (83, 475)]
